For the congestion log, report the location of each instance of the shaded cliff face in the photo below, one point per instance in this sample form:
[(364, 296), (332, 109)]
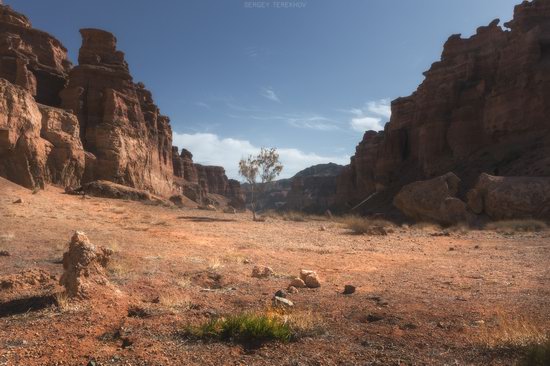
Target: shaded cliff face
[(119, 122), (482, 108), (31, 58)]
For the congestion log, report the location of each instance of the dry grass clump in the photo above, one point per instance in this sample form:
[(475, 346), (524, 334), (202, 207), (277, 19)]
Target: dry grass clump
[(511, 332), (174, 300), (361, 225), (256, 328), (64, 304), (296, 216), (512, 226)]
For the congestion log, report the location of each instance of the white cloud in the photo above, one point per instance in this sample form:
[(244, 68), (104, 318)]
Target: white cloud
[(381, 108), (270, 94), (362, 124), (372, 116), (313, 122), (203, 105), (210, 149)]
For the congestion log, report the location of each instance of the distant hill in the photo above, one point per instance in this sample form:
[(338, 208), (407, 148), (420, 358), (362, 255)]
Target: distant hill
[(315, 183)]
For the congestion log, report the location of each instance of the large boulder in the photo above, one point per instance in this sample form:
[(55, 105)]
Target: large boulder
[(511, 197), (433, 200)]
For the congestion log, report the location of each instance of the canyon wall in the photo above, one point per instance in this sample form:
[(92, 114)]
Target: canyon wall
[(120, 125), (109, 127), (198, 181), (39, 144), (483, 107)]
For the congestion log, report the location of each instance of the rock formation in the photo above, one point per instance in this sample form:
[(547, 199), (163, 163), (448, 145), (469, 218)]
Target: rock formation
[(84, 266), (511, 197), (482, 108), (31, 58), (197, 182), (119, 122), (433, 200), (110, 128), (38, 144)]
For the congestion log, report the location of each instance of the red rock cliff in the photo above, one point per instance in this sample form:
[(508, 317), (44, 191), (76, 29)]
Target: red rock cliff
[(31, 58), (482, 108), (119, 122)]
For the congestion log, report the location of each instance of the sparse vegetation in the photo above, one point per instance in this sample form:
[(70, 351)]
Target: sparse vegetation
[(506, 331), (243, 328), (361, 226), (512, 226), (254, 329)]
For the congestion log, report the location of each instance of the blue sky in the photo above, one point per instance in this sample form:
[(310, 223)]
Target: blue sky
[(305, 76)]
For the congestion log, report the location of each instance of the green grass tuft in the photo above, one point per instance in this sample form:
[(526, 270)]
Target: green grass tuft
[(244, 328)]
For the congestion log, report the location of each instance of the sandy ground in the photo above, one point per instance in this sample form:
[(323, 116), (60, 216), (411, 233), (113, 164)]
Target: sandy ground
[(422, 298)]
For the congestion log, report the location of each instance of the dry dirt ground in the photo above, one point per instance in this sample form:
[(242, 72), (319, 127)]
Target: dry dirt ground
[(422, 298)]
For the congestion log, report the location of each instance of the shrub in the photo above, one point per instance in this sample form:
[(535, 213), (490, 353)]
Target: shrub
[(360, 225), (511, 226), (537, 355), (244, 328)]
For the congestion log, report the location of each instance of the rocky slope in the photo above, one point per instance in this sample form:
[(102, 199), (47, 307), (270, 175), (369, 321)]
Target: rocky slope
[(482, 108), (109, 127)]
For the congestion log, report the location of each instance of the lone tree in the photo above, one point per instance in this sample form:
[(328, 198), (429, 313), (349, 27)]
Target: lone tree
[(265, 166)]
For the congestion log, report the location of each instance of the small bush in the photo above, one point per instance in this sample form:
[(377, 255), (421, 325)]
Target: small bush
[(537, 355), (360, 225), (511, 226), (244, 328)]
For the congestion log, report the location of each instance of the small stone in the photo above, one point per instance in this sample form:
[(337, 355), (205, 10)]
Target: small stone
[(349, 289), (19, 200), (292, 290), (280, 293), (476, 247), (281, 302), (451, 249), (310, 278), (297, 283), (92, 363), (262, 272), (322, 228), (4, 253)]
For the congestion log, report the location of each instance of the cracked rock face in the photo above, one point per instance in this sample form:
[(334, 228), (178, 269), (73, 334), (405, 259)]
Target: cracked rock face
[(84, 266)]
